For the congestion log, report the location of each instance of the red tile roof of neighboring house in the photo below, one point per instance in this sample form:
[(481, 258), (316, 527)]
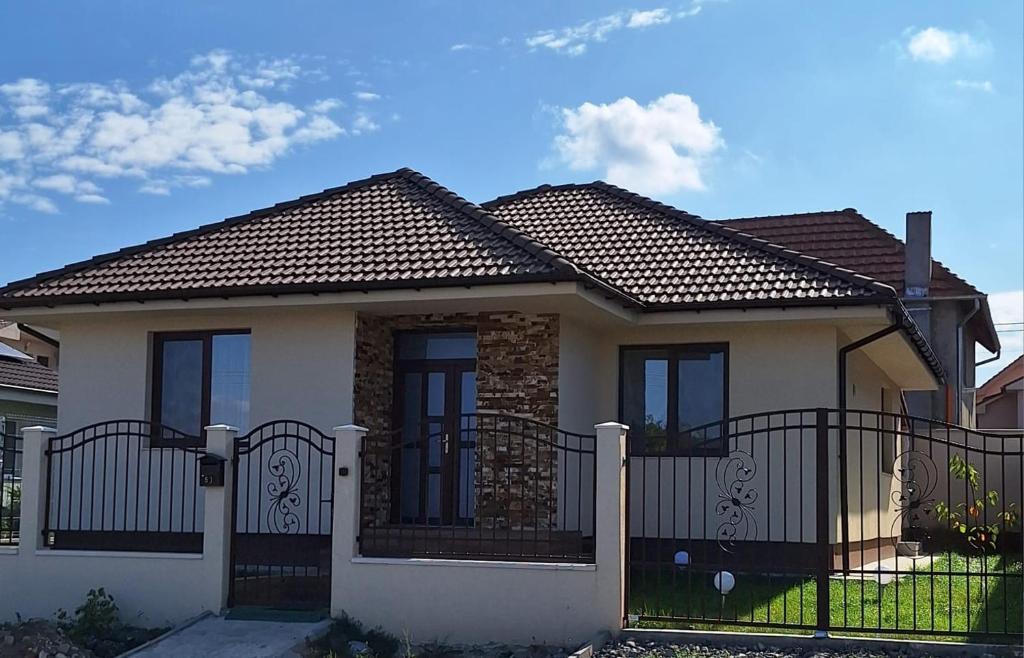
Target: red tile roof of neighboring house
[(26, 373), (847, 238), (999, 381)]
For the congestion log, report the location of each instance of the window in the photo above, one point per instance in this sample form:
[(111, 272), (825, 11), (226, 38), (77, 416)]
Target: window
[(43, 361), (200, 378), (887, 443), (675, 398)]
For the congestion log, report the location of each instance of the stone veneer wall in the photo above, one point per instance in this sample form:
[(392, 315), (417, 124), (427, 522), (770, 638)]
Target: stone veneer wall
[(517, 373)]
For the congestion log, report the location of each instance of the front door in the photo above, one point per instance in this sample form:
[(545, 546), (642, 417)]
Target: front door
[(435, 390)]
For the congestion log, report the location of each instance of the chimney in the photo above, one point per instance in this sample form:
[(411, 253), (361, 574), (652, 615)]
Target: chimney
[(917, 265)]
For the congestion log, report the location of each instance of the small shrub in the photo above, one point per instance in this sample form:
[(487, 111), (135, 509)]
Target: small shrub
[(96, 625), (335, 643)]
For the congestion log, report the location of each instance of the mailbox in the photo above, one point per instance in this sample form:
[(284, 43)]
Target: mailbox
[(211, 471)]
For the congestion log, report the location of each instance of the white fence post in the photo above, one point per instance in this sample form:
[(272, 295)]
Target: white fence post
[(217, 530), (611, 533), (345, 524), (34, 476)]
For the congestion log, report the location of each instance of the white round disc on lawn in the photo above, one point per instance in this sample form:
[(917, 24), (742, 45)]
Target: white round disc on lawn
[(682, 559), (724, 582)]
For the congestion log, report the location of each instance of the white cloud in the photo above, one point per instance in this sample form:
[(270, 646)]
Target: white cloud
[(659, 148), (28, 98), (574, 40), (326, 105), (658, 16), (366, 96), (223, 114), (975, 85), (940, 46), (364, 124), (460, 46)]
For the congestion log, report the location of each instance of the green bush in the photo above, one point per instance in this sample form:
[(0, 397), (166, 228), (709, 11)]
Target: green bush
[(334, 644), (96, 626)]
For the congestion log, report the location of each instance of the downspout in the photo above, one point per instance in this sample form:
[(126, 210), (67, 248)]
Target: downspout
[(960, 360), (844, 504)]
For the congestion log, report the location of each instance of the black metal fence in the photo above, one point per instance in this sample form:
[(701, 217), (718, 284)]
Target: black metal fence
[(283, 515), (10, 489), (813, 519), (480, 486), (124, 485)]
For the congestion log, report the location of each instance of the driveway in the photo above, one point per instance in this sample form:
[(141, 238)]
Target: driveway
[(216, 636)]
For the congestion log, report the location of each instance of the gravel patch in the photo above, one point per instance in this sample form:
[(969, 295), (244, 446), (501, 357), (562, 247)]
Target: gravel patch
[(655, 649)]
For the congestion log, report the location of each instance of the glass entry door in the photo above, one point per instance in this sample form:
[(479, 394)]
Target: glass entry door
[(436, 387)]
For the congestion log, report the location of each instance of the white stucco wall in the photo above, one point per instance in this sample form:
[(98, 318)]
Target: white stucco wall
[(301, 363)]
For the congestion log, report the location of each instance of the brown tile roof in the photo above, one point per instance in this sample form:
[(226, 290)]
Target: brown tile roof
[(27, 374), (392, 230), (666, 257), (995, 385), (847, 238)]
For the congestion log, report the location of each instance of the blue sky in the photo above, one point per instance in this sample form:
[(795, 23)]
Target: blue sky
[(120, 123)]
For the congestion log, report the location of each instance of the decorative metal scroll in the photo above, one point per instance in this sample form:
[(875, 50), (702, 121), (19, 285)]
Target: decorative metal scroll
[(736, 499), (918, 476), (284, 467)]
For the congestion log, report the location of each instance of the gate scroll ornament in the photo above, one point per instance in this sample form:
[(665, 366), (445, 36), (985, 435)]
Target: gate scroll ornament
[(283, 489), (736, 499)]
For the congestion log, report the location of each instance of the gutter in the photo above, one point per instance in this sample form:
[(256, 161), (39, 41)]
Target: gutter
[(844, 505), (960, 361)]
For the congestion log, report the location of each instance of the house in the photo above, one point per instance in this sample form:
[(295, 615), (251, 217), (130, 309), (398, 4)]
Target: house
[(952, 314), (28, 392), (40, 344), (1001, 398), (479, 366)]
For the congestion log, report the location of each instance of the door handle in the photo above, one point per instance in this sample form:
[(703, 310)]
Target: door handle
[(446, 440)]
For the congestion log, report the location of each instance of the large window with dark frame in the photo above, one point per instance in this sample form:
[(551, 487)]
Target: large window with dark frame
[(675, 398), (199, 378)]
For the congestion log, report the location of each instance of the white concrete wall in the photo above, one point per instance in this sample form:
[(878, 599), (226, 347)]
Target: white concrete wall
[(301, 363), (772, 366), (301, 369), (150, 589), (476, 601)]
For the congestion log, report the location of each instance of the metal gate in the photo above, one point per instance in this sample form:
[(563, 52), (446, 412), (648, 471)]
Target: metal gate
[(816, 519), (283, 511)]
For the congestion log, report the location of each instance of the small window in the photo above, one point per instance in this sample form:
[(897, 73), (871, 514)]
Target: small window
[(432, 345), (200, 378), (887, 424), (675, 398), (43, 361)]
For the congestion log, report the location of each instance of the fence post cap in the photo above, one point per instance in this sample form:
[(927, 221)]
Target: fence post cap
[(351, 428), (221, 427), (39, 428), (611, 425)]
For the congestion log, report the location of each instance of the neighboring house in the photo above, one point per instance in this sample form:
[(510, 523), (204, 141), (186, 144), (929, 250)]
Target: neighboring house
[(953, 314), (1001, 398), (43, 345), (28, 392), (478, 345)]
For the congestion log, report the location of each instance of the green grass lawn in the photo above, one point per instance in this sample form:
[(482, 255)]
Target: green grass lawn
[(983, 598)]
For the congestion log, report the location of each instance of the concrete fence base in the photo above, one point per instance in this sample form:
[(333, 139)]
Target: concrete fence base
[(461, 601)]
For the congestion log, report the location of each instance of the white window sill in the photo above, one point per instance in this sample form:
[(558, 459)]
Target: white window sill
[(484, 564), (8, 550), (49, 552)]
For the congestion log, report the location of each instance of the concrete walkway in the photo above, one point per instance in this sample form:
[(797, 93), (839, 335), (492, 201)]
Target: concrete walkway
[(216, 636)]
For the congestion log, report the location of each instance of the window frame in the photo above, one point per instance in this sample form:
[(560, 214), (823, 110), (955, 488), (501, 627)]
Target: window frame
[(157, 440), (676, 441)]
